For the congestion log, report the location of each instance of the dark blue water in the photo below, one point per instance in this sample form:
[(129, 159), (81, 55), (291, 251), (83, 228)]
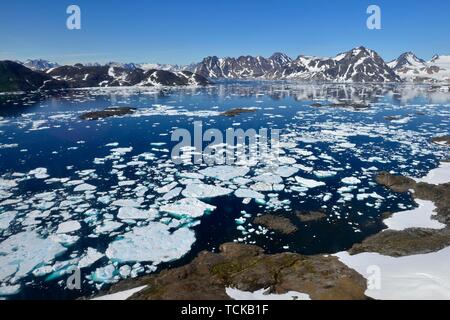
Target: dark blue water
[(359, 144)]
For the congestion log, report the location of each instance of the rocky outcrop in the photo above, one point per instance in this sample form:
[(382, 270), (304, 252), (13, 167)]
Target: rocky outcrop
[(248, 268), (237, 111), (310, 216), (415, 240), (109, 112), (404, 243), (276, 223), (443, 140)]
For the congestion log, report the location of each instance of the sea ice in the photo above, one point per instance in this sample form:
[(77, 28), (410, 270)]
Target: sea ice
[(203, 191), (68, 227), (130, 213), (22, 252), (247, 193), (225, 173), (187, 208), (308, 183), (153, 243)]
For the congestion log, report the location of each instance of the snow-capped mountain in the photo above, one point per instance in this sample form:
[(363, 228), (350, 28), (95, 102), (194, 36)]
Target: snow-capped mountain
[(39, 64), (411, 68), (112, 76), (16, 77), (244, 67), (406, 60), (357, 65)]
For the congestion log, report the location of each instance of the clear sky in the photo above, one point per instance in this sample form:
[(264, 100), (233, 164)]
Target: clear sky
[(184, 31)]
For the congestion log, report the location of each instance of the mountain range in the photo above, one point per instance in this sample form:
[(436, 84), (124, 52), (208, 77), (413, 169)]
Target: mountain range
[(360, 65), (17, 77), (357, 65)]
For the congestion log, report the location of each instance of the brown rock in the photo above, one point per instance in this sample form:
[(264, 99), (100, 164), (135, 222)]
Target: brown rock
[(276, 223), (237, 111), (248, 268), (311, 216), (109, 112)]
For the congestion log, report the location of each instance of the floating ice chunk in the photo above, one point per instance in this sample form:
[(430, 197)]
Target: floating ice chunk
[(22, 252), (6, 218), (151, 243), (304, 168), (7, 184), (90, 257), (325, 174), (68, 227), (192, 175), (121, 151), (125, 271), (225, 173), (268, 178), (351, 180), (104, 199), (202, 191), (286, 160), (420, 217), (241, 181), (108, 226), (122, 295), (112, 144), (167, 187), (401, 121), (39, 173), (308, 183), (64, 239), (172, 194), (346, 145), (127, 203), (263, 294), (84, 187), (126, 183), (286, 171), (9, 290), (130, 213), (364, 196), (262, 186), (248, 193), (187, 208), (104, 275)]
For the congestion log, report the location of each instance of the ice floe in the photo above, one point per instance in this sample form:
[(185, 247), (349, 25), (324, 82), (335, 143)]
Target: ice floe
[(153, 243), (203, 191), (23, 252), (187, 208)]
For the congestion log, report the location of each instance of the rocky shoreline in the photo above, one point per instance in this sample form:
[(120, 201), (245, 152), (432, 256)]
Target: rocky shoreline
[(248, 268)]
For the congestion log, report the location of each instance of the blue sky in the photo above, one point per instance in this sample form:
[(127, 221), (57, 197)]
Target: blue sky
[(184, 31)]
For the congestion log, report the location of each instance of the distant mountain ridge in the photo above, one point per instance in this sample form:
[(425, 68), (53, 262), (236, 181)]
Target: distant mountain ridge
[(357, 65), (16, 77)]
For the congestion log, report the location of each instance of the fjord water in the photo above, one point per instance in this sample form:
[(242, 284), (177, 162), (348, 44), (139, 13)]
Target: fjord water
[(329, 144)]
